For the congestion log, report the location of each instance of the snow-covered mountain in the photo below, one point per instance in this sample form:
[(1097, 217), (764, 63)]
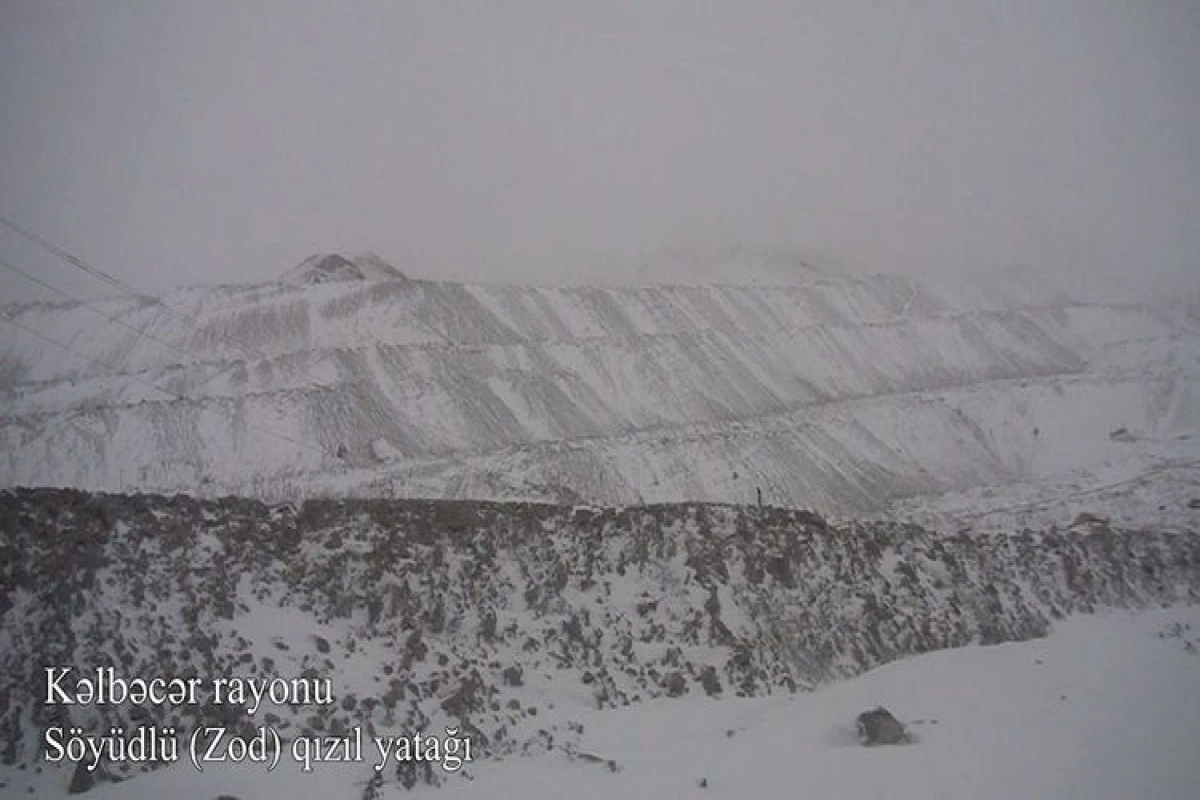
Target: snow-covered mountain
[(852, 395)]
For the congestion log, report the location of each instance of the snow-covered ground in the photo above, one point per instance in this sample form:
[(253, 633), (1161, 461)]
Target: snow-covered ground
[(1107, 706)]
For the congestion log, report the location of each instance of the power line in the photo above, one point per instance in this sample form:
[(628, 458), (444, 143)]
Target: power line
[(81, 264), (116, 320), (71, 259), (123, 287), (5, 317), (141, 332)]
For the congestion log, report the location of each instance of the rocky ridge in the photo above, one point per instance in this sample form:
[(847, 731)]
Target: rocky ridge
[(427, 614)]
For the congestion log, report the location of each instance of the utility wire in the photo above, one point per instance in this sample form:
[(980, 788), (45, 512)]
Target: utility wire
[(82, 265), (115, 320), (123, 287), (5, 317), (74, 261), (141, 332), (89, 269)]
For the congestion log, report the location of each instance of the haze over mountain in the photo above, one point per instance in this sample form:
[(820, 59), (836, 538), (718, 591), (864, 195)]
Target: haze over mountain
[(175, 143)]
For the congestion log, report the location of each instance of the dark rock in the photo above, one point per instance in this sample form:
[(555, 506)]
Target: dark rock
[(878, 726), (513, 675), (81, 779), (466, 699), (675, 684)]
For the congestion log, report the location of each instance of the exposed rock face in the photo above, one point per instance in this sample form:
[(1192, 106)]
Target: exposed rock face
[(878, 726), (426, 614), (334, 268)]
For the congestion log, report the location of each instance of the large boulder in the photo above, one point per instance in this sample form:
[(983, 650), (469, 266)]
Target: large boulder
[(878, 726)]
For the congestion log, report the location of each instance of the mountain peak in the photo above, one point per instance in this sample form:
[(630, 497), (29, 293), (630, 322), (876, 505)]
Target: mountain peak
[(331, 267)]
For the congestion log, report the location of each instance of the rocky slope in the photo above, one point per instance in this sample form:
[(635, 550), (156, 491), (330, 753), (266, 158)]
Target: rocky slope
[(427, 614)]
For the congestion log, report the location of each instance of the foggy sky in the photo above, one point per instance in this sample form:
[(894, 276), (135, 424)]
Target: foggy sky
[(570, 142)]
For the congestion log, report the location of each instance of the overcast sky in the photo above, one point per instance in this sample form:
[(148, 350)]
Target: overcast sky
[(558, 141)]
